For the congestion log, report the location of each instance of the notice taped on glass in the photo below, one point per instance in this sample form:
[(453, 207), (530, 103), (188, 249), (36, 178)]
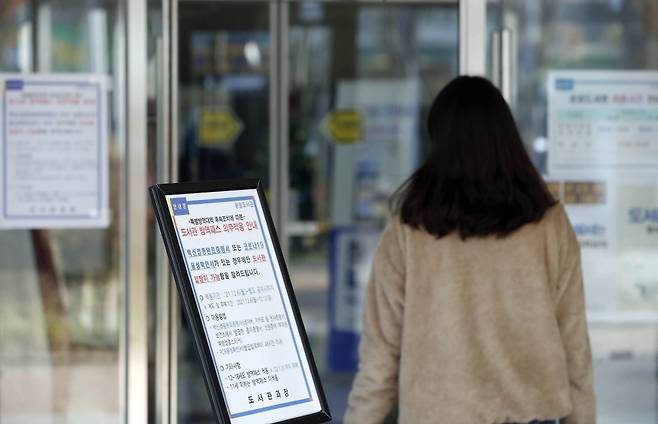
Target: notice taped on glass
[(602, 120), (603, 165), (231, 276), (54, 167)]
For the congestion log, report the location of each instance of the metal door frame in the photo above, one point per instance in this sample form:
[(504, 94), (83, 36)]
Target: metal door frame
[(134, 325), (472, 32)]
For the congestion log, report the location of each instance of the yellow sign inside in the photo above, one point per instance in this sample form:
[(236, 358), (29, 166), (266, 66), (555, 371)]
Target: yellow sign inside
[(346, 126), (218, 127)]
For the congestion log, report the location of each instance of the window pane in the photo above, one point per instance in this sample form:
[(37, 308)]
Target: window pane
[(224, 90), (60, 289), (608, 197), (362, 78), (224, 127)]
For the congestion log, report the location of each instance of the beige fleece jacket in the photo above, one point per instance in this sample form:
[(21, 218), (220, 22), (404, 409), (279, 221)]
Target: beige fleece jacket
[(487, 330)]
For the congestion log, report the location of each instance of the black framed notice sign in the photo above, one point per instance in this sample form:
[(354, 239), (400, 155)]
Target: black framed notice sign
[(238, 299)]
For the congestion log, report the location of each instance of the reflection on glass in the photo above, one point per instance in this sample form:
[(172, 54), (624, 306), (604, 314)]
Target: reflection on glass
[(224, 124), (15, 37), (224, 91), (587, 122), (362, 78), (60, 289)]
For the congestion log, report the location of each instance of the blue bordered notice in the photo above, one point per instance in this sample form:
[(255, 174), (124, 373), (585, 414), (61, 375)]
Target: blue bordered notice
[(242, 300), (605, 121), (54, 167)]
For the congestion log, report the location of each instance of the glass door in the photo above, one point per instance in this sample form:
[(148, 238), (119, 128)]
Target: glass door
[(582, 78), (61, 285), (325, 102), (224, 128), (361, 80)]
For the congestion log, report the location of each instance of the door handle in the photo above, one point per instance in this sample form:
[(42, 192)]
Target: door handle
[(503, 64)]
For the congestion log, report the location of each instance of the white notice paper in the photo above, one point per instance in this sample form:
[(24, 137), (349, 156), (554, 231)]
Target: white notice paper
[(602, 120), (54, 167), (243, 302), (603, 152)]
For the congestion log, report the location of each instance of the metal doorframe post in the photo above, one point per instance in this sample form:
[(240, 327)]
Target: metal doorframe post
[(135, 392), (472, 35)]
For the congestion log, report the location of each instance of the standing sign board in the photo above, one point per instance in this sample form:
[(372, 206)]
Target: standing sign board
[(54, 167), (238, 298)]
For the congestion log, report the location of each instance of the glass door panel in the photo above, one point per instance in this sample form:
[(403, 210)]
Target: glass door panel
[(224, 127), (379, 64), (60, 289), (224, 59), (362, 77), (584, 89)]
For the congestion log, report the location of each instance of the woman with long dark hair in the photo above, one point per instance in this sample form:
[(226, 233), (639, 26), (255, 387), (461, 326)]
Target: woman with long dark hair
[(475, 311)]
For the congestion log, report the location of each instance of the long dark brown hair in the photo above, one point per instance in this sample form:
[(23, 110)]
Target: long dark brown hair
[(477, 178)]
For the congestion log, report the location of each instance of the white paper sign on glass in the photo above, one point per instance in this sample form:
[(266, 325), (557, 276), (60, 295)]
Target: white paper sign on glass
[(603, 157), (54, 167), (602, 120), (241, 296)]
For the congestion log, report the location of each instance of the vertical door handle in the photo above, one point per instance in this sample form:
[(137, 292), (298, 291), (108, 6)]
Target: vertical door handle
[(502, 63)]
